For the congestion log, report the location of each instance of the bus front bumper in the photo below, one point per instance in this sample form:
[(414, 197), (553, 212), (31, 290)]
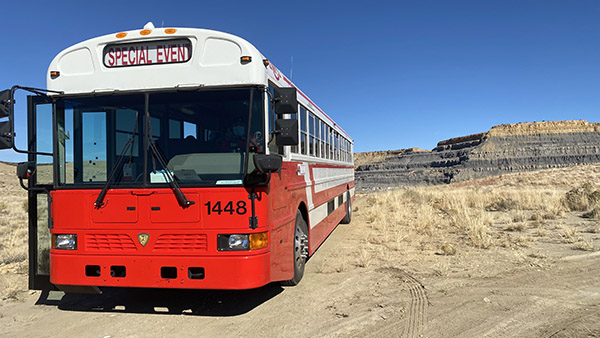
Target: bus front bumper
[(183, 272)]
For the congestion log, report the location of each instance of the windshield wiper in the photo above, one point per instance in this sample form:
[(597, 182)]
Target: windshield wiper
[(181, 198), (100, 200)]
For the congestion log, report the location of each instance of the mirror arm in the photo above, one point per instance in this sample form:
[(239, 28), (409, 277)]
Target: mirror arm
[(32, 189), (22, 184)]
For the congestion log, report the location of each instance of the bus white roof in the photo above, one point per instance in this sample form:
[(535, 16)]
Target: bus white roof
[(215, 61)]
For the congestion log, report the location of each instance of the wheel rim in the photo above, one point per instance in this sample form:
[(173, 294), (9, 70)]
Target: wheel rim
[(299, 245)]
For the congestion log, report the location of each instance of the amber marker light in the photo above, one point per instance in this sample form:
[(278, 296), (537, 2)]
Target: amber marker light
[(259, 240), (54, 74), (121, 35), (266, 62), (170, 30), (145, 32)]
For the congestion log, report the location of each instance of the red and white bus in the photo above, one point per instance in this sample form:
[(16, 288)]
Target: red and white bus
[(176, 158)]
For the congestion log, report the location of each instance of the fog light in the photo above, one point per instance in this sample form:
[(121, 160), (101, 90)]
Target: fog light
[(65, 242)]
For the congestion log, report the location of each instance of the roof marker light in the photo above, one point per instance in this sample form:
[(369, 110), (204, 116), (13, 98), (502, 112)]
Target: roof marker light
[(170, 30), (246, 59), (145, 32), (121, 35), (54, 74), (266, 62)]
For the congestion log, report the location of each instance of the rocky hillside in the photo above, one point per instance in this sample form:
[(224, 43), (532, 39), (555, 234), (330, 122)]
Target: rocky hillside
[(504, 149)]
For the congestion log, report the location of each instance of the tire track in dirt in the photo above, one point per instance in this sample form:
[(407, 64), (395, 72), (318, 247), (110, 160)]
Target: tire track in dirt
[(417, 312)]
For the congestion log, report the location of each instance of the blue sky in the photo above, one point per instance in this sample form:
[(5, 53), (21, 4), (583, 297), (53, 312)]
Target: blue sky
[(393, 74)]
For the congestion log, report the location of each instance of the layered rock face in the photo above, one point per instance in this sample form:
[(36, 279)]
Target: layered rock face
[(503, 149)]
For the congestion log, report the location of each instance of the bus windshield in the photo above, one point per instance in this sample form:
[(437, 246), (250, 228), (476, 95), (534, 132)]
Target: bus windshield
[(202, 136)]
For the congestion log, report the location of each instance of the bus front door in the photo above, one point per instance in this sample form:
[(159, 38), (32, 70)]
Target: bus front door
[(41, 182)]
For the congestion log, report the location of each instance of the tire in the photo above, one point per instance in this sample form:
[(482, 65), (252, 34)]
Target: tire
[(300, 250), (348, 218)]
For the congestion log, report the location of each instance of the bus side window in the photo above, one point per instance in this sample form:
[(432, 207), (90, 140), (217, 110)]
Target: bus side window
[(303, 136), (311, 128)]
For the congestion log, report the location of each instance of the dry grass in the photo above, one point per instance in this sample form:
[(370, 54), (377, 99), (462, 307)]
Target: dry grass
[(584, 244), (507, 211), (13, 230), (13, 219)]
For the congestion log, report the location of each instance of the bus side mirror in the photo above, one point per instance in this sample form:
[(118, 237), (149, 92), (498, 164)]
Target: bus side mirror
[(25, 170), (287, 132), (286, 101), (6, 127), (267, 163)]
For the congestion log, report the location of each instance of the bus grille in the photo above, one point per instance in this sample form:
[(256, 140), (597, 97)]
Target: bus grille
[(109, 242), (178, 242)]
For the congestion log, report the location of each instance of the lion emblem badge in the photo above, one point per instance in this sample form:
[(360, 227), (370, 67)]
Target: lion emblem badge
[(143, 238)]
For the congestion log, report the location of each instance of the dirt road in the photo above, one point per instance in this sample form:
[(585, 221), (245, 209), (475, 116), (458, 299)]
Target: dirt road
[(545, 291)]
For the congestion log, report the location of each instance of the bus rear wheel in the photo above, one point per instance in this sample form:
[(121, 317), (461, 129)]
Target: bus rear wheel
[(300, 250), (348, 218)]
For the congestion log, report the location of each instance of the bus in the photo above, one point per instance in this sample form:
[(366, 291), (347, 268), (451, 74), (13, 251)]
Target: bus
[(175, 158)]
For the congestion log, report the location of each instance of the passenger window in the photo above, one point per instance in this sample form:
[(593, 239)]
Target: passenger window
[(303, 134), (311, 128)]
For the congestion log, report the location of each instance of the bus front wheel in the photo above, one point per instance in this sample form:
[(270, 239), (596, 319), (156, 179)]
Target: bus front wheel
[(300, 249)]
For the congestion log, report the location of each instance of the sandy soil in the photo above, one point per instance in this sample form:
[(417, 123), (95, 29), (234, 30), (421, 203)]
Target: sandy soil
[(542, 289)]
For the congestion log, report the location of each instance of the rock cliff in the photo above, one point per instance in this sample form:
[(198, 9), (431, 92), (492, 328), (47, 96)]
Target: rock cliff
[(503, 149)]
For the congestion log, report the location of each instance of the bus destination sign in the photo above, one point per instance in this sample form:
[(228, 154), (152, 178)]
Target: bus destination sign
[(147, 53)]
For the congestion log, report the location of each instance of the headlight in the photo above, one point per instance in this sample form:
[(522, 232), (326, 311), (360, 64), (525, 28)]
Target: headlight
[(238, 242), (65, 242)]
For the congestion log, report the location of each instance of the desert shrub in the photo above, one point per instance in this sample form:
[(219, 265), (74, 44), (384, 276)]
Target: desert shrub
[(414, 196), (515, 227), (577, 199), (479, 236), (594, 197), (535, 217), (447, 249), (584, 244), (519, 216), (568, 234), (502, 204), (371, 200), (3, 207)]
